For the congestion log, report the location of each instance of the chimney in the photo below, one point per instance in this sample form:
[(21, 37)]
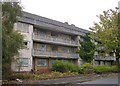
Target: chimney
[(66, 23), (72, 25)]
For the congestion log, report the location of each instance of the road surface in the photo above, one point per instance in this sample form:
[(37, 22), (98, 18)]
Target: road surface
[(111, 80)]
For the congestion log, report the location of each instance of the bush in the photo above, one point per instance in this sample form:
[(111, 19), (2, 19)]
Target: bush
[(59, 66), (86, 68), (81, 70), (72, 67), (114, 69), (63, 66), (105, 69)]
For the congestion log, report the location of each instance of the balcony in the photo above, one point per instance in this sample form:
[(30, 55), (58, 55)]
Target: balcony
[(54, 40), (107, 58), (54, 54)]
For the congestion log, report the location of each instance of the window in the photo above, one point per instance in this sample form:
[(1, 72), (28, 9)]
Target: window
[(41, 62), (65, 49), (54, 34), (41, 47), (35, 31), (23, 62), (73, 50), (25, 44), (72, 38), (54, 48), (111, 53), (42, 33), (39, 32), (23, 27)]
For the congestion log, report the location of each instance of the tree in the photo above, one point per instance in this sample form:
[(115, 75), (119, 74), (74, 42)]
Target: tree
[(107, 32), (87, 48), (12, 41)]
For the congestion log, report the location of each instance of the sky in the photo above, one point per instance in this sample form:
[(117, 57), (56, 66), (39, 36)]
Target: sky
[(81, 13)]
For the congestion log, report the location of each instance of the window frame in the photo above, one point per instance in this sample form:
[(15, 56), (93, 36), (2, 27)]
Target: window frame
[(40, 47), (21, 64), (45, 62)]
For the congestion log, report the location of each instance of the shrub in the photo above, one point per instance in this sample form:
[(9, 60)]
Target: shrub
[(72, 67), (81, 70), (104, 69), (86, 68), (63, 66), (59, 66), (114, 69)]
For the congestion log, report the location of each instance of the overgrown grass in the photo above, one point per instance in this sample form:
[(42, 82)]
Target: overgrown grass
[(51, 75), (105, 69)]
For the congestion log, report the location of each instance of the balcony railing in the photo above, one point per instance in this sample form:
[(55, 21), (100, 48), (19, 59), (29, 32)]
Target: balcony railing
[(54, 54), (54, 40), (105, 58)]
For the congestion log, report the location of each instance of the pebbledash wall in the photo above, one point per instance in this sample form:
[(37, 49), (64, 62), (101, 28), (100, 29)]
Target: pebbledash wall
[(23, 62), (46, 40)]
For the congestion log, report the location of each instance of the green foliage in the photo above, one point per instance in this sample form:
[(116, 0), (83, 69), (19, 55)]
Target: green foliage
[(81, 70), (87, 48), (105, 69), (86, 68), (101, 69), (107, 32), (114, 69), (12, 41), (63, 66)]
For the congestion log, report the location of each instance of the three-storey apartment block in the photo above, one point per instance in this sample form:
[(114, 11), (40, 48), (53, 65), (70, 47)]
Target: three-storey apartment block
[(45, 41)]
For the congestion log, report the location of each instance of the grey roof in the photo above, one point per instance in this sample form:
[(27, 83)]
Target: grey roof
[(51, 24)]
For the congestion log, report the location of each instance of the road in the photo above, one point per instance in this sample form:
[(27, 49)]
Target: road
[(88, 80), (111, 80), (80, 80)]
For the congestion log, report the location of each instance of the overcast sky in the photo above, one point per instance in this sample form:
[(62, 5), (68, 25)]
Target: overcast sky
[(81, 13)]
